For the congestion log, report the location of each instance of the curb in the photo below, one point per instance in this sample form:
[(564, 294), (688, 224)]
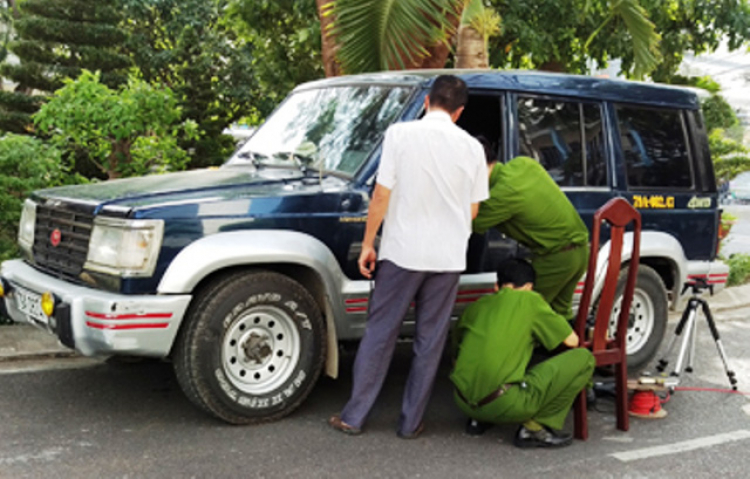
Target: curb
[(731, 298), (39, 354)]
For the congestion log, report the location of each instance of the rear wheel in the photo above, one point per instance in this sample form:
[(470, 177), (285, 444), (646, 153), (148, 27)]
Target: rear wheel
[(252, 347), (648, 316)]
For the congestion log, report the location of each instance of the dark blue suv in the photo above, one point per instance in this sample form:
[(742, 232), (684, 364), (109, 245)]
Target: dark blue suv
[(245, 275)]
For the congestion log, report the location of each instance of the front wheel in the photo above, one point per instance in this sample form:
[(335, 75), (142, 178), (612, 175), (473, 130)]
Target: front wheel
[(648, 316), (252, 347)]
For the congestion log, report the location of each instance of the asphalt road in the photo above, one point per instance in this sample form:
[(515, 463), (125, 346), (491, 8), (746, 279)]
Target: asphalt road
[(738, 240), (132, 421)]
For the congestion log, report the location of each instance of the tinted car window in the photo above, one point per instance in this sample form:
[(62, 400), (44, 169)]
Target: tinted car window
[(655, 147), (551, 132)]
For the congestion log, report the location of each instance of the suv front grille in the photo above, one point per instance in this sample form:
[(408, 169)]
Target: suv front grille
[(67, 258)]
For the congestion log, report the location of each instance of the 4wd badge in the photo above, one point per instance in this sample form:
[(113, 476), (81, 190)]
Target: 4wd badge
[(55, 237), (696, 202)]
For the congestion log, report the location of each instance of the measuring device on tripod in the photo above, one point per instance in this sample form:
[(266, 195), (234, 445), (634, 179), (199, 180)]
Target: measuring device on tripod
[(688, 325)]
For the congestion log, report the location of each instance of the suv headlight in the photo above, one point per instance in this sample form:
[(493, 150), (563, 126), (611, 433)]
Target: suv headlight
[(124, 247), (26, 226)]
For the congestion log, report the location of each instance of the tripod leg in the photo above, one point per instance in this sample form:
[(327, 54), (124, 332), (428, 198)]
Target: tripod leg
[(719, 346), (663, 362), (693, 338), (685, 340)]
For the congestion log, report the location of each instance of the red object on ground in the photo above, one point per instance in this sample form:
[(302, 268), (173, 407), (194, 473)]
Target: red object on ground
[(646, 404)]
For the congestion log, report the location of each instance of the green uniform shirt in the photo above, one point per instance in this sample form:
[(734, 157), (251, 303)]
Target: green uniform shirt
[(526, 204), (497, 335)]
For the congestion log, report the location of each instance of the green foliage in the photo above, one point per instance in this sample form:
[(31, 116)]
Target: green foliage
[(565, 35), (729, 156), (26, 164), (717, 113), (6, 27), (191, 46), (697, 26), (129, 131), (373, 35), (705, 82), (285, 43), (739, 268), (57, 39), (544, 32)]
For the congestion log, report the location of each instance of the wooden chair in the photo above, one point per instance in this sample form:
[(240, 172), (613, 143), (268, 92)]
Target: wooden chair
[(618, 214)]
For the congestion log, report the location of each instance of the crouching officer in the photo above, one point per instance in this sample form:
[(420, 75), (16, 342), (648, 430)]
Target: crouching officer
[(495, 338)]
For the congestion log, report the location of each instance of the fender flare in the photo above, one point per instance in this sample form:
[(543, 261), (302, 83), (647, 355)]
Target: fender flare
[(257, 247), (654, 244)]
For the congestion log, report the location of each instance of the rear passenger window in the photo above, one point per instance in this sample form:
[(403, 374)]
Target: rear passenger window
[(565, 137), (655, 147)]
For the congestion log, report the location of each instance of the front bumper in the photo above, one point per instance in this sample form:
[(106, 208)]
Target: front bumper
[(95, 322)]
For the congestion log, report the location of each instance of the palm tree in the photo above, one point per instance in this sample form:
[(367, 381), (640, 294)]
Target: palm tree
[(372, 35), (478, 24)]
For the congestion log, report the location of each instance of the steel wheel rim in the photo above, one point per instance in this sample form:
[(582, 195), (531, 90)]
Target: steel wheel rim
[(643, 318), (260, 350)]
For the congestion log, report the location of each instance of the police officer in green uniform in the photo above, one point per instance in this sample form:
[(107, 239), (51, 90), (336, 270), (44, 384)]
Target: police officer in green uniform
[(494, 340), (528, 206)]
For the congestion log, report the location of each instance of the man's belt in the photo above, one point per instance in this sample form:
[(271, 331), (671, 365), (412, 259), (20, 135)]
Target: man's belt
[(487, 399)]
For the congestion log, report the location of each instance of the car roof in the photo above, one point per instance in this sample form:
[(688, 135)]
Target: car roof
[(530, 81)]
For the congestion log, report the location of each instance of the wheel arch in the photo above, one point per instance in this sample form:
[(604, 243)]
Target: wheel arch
[(301, 257), (660, 251)]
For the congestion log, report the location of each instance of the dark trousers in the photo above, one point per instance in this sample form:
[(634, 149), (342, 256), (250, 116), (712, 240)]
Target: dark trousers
[(395, 288)]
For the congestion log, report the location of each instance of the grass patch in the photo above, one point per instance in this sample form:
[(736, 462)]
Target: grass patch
[(739, 268)]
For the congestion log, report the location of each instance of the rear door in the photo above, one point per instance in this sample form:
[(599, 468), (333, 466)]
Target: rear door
[(663, 177)]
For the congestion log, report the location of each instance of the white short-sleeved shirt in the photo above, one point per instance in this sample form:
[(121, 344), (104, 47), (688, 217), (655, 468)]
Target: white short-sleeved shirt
[(435, 171)]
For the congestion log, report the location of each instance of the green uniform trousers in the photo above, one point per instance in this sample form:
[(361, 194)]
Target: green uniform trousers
[(557, 276), (549, 391)]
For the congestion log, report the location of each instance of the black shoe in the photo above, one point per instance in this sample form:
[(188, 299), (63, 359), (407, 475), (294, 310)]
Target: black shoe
[(476, 428), (542, 438)]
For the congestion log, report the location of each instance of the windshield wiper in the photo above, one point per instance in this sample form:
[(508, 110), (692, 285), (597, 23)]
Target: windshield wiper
[(302, 162), (254, 157)]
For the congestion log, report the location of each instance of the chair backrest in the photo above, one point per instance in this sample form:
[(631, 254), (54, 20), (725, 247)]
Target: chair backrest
[(618, 214)]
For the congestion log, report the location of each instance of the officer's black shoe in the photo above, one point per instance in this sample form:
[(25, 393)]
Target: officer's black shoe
[(542, 438), (476, 428)]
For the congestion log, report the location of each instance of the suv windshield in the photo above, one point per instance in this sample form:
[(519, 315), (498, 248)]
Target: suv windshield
[(331, 129)]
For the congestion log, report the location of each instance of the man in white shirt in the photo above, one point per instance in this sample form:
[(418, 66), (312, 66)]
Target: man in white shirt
[(431, 179)]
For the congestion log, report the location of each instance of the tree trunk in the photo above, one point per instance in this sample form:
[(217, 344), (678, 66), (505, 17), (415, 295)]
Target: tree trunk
[(471, 50), (13, 7), (120, 154), (328, 41)]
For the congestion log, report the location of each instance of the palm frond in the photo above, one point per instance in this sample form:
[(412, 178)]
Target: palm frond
[(643, 33), (487, 23), (472, 8), (377, 35)]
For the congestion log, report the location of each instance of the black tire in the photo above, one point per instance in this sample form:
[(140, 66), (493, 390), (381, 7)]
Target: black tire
[(251, 348), (648, 320)]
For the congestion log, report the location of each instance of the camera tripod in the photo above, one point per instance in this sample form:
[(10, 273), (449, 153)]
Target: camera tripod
[(688, 323)]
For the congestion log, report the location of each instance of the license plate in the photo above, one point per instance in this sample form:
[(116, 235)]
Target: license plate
[(30, 304)]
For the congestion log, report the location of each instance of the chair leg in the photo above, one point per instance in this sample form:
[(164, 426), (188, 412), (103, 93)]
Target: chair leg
[(580, 419), (621, 392)]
